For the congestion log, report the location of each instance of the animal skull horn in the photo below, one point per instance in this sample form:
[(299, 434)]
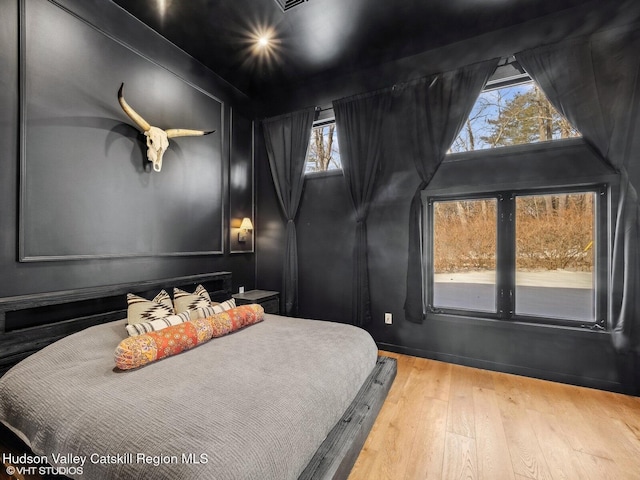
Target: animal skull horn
[(157, 139)]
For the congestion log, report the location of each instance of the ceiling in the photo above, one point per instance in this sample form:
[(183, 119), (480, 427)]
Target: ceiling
[(321, 36)]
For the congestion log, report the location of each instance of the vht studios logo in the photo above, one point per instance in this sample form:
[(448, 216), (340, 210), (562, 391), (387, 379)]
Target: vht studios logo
[(42, 470), (35, 465)]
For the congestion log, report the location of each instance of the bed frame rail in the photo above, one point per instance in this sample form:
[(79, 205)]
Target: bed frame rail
[(339, 451), (29, 323)]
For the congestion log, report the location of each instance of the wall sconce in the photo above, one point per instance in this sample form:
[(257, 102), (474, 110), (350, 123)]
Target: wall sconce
[(245, 226)]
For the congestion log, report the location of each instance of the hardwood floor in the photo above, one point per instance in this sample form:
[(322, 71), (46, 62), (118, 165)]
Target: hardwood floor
[(445, 421)]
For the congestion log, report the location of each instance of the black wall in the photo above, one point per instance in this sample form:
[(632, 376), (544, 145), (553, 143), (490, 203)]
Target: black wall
[(325, 222), (326, 231), (136, 49)]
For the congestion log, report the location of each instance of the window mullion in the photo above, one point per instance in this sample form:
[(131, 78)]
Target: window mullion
[(601, 234), (506, 255)]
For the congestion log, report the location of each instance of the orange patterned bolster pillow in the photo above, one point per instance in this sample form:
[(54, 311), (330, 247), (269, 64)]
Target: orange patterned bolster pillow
[(134, 352)]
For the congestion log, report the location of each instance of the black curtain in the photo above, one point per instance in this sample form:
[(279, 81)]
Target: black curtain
[(594, 83), (287, 139), (360, 124), (433, 110)]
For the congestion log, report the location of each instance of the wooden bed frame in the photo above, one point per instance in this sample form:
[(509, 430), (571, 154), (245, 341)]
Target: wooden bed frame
[(29, 323)]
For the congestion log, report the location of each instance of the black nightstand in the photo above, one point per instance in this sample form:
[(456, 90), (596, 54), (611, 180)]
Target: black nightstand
[(270, 301)]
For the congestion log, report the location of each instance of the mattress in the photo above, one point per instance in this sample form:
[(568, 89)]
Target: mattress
[(255, 404)]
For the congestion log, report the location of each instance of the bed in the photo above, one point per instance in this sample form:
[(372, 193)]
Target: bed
[(284, 398)]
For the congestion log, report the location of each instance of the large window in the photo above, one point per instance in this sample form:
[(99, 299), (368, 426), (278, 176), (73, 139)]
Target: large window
[(516, 216), (530, 255)]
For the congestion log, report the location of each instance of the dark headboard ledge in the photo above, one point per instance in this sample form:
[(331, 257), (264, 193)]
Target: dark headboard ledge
[(31, 322)]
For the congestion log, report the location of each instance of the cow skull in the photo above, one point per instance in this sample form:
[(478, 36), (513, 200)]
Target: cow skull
[(157, 139)]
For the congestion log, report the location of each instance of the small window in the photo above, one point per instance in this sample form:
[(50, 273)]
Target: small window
[(512, 115), (323, 154)]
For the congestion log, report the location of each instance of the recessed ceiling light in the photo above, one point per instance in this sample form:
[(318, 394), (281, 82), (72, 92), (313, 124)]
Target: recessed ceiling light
[(262, 46), (264, 41)]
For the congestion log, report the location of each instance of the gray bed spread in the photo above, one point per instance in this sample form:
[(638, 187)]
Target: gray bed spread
[(255, 404)]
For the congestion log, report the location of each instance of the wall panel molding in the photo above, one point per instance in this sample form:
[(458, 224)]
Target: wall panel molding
[(86, 190), (241, 181)]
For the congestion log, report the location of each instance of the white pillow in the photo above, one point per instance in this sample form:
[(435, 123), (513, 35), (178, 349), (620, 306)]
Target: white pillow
[(185, 301), (142, 310)]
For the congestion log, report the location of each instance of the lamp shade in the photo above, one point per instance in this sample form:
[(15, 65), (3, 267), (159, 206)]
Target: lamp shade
[(246, 224)]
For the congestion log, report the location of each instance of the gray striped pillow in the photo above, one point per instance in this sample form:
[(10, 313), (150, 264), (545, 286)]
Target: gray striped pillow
[(204, 312), (155, 325)]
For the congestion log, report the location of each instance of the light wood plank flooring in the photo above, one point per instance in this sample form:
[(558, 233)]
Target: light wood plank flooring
[(445, 421)]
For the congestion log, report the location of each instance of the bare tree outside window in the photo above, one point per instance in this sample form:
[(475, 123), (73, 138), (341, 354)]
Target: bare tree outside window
[(512, 115), (323, 153), (465, 241), (553, 234)]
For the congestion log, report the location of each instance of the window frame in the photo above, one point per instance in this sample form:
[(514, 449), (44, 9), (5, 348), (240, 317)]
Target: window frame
[(559, 165), (429, 250), (508, 73), (505, 255), (320, 123)]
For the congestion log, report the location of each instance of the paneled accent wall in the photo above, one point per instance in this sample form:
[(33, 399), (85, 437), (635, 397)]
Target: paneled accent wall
[(80, 150), (79, 204)]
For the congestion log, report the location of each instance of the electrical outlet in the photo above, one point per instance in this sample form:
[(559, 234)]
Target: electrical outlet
[(240, 289), (388, 318)]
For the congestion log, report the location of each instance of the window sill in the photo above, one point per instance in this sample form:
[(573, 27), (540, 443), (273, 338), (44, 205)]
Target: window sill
[(535, 148), (325, 174), (518, 325)]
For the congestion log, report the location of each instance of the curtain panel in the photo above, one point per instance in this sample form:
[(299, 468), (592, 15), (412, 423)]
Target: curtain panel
[(432, 113), (594, 82), (286, 140), (360, 124)]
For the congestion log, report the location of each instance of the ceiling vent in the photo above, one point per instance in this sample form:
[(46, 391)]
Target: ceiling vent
[(287, 4)]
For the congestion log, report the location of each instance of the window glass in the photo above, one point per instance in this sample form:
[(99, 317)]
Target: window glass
[(555, 245), (464, 254), (323, 153), (512, 115)]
